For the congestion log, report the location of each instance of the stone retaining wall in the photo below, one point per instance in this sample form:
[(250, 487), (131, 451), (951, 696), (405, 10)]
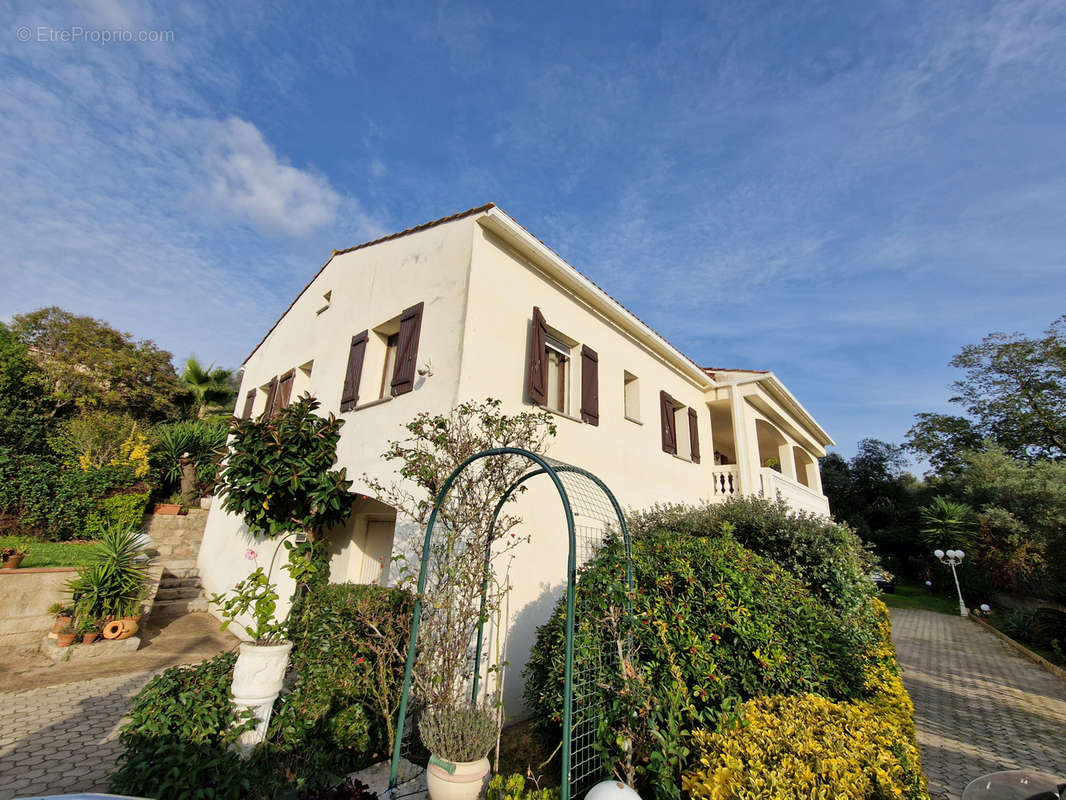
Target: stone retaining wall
[(25, 596)]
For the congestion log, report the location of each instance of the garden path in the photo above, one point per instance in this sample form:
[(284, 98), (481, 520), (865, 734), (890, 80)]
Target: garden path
[(980, 706), (59, 726)]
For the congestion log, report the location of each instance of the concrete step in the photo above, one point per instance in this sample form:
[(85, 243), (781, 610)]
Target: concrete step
[(174, 608), (178, 593), (174, 582)]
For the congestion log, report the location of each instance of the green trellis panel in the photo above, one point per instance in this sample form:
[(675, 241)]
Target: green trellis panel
[(591, 510)]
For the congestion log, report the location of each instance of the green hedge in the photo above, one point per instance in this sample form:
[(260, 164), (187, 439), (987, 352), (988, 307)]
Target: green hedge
[(333, 722), (712, 622), (826, 556), (119, 510), (177, 743)]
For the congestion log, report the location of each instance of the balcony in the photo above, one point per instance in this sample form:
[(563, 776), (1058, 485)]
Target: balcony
[(774, 484), (725, 482)]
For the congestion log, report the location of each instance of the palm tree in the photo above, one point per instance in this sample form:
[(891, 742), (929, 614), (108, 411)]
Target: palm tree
[(946, 523), (212, 387)]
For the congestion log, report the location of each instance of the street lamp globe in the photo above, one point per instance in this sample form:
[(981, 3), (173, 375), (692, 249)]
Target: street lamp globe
[(959, 554), (938, 553)]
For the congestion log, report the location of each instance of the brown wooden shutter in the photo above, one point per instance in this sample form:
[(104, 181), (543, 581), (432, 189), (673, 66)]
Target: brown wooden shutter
[(272, 399), (590, 386), (403, 376), (693, 435), (666, 411), (536, 365), (356, 352), (285, 389), (249, 402)]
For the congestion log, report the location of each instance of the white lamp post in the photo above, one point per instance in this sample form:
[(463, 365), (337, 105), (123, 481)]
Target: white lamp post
[(953, 558)]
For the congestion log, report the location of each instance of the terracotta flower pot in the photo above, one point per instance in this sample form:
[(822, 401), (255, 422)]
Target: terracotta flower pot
[(61, 623), (89, 638), (167, 508), (12, 562), (463, 780), (65, 639), (120, 628)]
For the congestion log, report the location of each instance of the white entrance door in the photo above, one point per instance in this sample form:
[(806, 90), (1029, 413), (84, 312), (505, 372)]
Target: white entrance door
[(377, 550)]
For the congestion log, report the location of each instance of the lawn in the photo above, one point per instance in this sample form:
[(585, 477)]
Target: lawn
[(914, 596), (51, 554)]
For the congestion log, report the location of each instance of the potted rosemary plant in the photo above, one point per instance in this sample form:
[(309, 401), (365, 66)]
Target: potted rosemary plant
[(459, 740)]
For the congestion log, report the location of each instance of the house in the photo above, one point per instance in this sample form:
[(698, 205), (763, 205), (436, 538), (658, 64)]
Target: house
[(473, 306)]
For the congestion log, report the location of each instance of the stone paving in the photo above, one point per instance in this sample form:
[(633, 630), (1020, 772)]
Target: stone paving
[(59, 722), (63, 738), (980, 707)]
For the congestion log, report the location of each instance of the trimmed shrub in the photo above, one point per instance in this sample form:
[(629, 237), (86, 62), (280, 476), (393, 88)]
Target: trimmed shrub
[(514, 787), (826, 556), (712, 623), (177, 742), (348, 655), (796, 748), (119, 511)]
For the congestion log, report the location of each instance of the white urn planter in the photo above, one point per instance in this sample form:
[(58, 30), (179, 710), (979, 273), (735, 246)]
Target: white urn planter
[(462, 780), (257, 679), (612, 790)]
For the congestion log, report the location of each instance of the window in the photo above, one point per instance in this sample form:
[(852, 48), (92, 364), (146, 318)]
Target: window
[(392, 349), (632, 396), (550, 372), (392, 342), (557, 358), (680, 429)]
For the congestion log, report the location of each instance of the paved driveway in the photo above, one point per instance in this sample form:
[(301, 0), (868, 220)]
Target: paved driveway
[(979, 706), (59, 722)]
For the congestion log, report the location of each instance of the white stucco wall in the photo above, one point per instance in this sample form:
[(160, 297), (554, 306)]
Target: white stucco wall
[(479, 294), (368, 287)]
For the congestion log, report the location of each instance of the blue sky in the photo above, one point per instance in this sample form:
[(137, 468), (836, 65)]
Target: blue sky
[(844, 193)]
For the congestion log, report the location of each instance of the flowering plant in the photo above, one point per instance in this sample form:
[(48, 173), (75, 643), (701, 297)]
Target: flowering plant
[(257, 595)]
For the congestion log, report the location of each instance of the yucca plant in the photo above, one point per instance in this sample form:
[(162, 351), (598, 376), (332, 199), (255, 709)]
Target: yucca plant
[(113, 584), (946, 523)]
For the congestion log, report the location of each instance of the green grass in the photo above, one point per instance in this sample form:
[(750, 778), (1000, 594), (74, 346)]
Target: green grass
[(912, 596), (51, 554)]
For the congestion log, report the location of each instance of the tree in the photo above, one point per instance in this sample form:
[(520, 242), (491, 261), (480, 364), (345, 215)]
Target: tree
[(451, 606), (947, 524), (84, 363), (22, 426), (1013, 393), (211, 387), (942, 439), (873, 494), (278, 476)]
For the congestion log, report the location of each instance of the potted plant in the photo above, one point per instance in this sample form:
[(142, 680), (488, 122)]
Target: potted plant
[(89, 631), (66, 637), (112, 587), (12, 556), (64, 616), (459, 740), (261, 663)]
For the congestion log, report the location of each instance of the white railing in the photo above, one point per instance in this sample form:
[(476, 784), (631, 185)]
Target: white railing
[(725, 481), (774, 484)]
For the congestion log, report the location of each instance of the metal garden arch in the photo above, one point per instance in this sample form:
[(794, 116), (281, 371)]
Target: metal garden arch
[(591, 509)]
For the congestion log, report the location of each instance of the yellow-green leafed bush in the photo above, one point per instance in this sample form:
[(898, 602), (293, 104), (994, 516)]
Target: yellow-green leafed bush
[(806, 747)]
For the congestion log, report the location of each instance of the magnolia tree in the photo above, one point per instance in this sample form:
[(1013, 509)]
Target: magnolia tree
[(456, 571), (279, 477)]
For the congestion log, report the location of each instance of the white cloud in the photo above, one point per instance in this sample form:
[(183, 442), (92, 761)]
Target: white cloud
[(245, 177)]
